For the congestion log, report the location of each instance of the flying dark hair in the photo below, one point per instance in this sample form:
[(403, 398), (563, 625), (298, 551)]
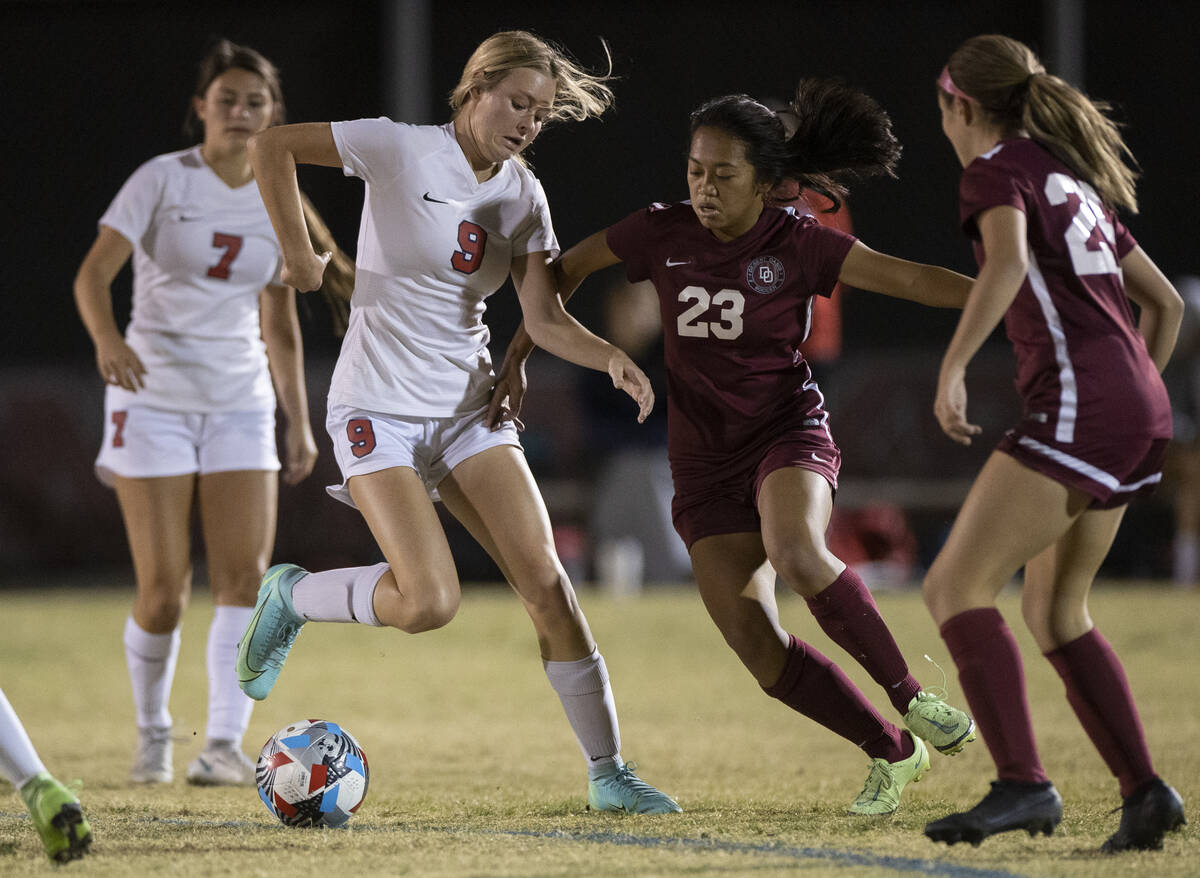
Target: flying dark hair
[(841, 135)]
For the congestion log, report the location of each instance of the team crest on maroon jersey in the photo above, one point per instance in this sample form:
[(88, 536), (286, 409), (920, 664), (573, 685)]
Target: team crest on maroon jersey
[(764, 274)]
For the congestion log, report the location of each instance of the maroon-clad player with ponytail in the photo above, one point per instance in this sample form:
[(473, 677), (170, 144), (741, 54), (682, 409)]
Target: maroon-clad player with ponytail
[(1043, 176), (752, 457)]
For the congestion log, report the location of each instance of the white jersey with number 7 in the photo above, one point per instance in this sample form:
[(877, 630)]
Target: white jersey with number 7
[(202, 253)]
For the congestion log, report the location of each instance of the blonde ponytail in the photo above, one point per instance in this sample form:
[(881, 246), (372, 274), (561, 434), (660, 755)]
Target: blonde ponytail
[(1009, 84)]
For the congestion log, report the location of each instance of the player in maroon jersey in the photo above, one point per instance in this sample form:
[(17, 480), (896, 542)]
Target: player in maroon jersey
[(752, 457), (1043, 175)]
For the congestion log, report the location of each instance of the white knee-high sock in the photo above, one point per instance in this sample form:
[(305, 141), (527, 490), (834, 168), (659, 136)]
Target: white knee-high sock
[(228, 707), (151, 660), (342, 595), (19, 762), (587, 699)]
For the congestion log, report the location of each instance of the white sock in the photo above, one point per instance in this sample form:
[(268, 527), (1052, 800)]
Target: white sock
[(342, 595), (587, 698), (151, 660), (19, 762), (228, 707)]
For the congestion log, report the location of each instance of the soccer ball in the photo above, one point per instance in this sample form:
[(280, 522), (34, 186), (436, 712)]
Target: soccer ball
[(312, 773)]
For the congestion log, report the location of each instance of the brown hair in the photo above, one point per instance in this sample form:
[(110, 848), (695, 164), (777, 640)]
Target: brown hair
[(225, 55), (1009, 84), (578, 93)]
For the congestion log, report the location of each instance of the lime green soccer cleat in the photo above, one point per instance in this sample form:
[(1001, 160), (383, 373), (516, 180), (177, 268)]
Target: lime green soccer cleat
[(58, 816), (887, 780), (622, 790), (947, 729), (272, 630)]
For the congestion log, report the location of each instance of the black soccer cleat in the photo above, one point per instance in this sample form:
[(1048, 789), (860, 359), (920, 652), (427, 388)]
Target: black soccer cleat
[(1034, 807), (1147, 814)]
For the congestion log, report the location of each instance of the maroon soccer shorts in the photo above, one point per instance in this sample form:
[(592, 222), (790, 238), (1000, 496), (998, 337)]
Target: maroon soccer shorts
[(721, 498), (1112, 469)]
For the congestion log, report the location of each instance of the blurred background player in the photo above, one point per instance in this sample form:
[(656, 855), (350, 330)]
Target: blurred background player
[(1044, 175), (1182, 377), (189, 407), (451, 212), (54, 810), (753, 461)]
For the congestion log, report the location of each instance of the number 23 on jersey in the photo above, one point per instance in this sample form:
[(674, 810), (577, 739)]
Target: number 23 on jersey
[(728, 322)]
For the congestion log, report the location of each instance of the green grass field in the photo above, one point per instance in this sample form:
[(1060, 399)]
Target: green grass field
[(474, 770)]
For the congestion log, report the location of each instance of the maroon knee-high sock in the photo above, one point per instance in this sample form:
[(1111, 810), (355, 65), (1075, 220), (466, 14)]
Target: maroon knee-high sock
[(814, 686), (846, 612), (1099, 693), (993, 679)]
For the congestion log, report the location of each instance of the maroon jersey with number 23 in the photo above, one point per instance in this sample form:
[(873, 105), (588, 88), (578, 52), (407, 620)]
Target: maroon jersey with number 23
[(733, 314)]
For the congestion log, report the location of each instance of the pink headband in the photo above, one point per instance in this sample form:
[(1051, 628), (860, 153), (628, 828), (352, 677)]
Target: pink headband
[(948, 86)]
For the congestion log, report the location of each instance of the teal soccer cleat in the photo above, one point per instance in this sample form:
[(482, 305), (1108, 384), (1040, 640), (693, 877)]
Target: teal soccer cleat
[(622, 790), (272, 630)]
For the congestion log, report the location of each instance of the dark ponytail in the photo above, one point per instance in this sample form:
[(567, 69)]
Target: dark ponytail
[(840, 135)]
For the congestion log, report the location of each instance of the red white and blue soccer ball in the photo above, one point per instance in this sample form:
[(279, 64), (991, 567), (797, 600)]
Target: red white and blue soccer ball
[(312, 773)]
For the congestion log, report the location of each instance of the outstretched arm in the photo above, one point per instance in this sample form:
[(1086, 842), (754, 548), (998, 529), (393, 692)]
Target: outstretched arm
[(867, 269), (585, 258), (549, 326), (1003, 231), (1161, 304), (569, 270), (274, 154)]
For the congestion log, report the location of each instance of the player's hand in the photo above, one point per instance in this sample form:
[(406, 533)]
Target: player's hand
[(508, 393), (119, 365), (950, 408), (627, 376), (307, 273), (299, 454)]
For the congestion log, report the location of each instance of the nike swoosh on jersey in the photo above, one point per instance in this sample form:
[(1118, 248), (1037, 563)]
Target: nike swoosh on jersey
[(673, 263), (429, 197)]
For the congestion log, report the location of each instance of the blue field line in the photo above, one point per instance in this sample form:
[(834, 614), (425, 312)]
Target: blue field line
[(839, 857), (624, 839)]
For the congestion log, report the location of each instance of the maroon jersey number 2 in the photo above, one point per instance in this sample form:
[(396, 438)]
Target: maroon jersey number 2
[(1089, 218)]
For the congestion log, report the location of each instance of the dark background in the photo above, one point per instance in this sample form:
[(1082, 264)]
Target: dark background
[(94, 89)]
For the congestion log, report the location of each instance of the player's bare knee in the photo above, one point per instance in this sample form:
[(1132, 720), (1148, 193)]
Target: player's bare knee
[(431, 611), (804, 566), (236, 588), (547, 593), (937, 594), (159, 610)]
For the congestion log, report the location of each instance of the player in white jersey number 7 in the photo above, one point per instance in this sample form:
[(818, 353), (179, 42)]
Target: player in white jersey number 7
[(451, 211)]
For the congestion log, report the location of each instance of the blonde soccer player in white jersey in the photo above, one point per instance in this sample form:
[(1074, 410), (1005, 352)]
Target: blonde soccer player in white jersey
[(190, 409), (451, 212)]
